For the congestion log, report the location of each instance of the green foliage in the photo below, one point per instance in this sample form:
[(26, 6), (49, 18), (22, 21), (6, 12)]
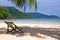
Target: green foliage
[(1, 16), (23, 3), (18, 14), (4, 12), (11, 12), (33, 3)]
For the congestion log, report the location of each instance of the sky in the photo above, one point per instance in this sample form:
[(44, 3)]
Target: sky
[(49, 7)]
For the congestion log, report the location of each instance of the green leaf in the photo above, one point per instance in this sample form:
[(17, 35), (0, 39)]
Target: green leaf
[(21, 3)]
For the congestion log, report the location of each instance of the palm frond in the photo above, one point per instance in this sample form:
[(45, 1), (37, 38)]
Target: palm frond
[(33, 3), (21, 3)]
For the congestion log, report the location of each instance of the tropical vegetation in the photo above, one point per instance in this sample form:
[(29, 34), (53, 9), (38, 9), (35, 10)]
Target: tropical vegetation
[(24, 3), (11, 12)]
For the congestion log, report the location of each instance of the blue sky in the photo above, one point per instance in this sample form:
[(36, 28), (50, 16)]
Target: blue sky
[(50, 7)]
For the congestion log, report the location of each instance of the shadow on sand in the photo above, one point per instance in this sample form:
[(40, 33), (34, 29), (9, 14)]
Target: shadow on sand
[(52, 32)]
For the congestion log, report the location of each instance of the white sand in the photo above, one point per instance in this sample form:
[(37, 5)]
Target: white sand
[(44, 34)]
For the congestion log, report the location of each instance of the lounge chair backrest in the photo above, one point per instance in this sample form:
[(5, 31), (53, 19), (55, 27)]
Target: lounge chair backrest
[(10, 24)]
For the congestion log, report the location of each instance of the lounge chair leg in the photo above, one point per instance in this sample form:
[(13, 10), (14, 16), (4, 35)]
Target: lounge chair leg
[(7, 29), (21, 31)]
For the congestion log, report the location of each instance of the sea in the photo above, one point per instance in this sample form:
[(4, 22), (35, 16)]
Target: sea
[(32, 22), (37, 21)]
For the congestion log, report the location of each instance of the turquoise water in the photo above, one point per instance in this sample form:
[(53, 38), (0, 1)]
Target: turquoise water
[(37, 21)]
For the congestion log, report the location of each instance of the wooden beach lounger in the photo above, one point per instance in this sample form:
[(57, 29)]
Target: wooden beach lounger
[(13, 27)]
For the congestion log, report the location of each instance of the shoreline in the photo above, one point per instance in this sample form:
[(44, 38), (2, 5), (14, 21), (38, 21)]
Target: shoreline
[(42, 25)]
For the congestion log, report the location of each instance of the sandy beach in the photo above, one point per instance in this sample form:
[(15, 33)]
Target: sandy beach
[(31, 32)]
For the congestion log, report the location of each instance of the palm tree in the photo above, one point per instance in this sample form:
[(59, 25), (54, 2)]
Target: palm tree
[(24, 3)]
